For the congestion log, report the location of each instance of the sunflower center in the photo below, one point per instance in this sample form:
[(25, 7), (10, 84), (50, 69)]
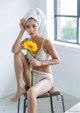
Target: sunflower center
[(30, 46)]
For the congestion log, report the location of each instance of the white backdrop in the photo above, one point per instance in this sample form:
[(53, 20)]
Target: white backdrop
[(10, 13)]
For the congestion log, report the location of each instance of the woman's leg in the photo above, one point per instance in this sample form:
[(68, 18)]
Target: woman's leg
[(22, 71), (38, 89)]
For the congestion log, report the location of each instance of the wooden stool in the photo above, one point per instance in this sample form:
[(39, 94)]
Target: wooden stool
[(53, 92)]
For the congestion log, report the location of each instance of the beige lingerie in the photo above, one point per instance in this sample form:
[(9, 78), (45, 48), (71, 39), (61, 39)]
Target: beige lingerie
[(38, 75)]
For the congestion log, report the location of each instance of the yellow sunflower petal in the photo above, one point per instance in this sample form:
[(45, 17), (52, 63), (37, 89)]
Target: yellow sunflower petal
[(29, 45)]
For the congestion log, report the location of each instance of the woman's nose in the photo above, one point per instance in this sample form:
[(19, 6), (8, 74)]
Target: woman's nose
[(31, 29)]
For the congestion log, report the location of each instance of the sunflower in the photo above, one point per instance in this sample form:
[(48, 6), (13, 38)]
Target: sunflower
[(30, 46)]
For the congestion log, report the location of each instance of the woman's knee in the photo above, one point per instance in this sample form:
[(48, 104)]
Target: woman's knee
[(31, 94), (18, 55)]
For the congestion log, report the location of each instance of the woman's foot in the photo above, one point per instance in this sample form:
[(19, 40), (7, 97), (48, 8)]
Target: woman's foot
[(17, 96)]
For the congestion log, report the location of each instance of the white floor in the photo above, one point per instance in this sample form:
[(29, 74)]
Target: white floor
[(43, 104), (7, 107)]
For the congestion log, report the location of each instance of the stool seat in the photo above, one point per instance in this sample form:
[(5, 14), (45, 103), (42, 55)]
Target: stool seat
[(52, 92)]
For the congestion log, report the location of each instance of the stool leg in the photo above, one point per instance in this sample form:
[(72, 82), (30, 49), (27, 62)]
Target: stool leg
[(51, 104), (63, 103), (18, 105), (24, 106), (58, 98)]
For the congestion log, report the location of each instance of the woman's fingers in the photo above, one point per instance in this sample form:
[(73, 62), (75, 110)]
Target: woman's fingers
[(34, 62), (22, 20), (22, 23)]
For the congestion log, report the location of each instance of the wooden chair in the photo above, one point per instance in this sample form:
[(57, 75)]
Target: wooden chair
[(53, 92)]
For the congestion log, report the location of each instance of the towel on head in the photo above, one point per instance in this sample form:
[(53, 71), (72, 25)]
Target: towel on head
[(39, 16)]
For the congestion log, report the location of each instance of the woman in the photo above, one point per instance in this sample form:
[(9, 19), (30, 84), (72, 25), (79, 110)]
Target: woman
[(34, 23)]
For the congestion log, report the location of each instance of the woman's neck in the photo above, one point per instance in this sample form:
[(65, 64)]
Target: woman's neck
[(35, 37)]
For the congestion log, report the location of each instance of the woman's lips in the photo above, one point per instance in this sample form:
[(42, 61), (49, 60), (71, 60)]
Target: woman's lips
[(31, 33)]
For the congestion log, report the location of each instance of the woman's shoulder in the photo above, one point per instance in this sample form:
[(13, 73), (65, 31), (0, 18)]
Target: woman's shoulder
[(47, 41)]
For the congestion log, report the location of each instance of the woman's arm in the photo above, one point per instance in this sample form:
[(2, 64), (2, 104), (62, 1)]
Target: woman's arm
[(55, 59), (17, 44)]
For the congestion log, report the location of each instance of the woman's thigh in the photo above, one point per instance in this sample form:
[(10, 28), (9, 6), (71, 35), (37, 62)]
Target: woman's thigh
[(26, 69), (42, 86)]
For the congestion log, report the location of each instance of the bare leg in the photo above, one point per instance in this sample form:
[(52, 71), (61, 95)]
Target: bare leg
[(22, 71), (38, 89)]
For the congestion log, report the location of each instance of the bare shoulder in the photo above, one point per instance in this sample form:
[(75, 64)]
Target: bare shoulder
[(48, 43)]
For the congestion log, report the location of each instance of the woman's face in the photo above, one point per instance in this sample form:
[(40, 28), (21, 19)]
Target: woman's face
[(31, 27)]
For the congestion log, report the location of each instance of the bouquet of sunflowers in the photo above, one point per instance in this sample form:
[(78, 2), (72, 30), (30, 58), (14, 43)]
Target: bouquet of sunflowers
[(31, 47)]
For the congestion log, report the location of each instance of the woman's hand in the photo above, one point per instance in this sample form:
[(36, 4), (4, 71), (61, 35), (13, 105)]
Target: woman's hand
[(22, 24), (35, 63)]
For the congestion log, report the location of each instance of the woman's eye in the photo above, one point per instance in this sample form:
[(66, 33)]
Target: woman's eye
[(26, 26), (34, 25)]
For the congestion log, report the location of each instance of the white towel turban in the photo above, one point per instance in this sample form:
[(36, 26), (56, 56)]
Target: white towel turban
[(39, 16)]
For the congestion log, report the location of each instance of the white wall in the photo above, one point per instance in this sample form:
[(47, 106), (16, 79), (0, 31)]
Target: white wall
[(67, 73), (42, 4), (11, 11)]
